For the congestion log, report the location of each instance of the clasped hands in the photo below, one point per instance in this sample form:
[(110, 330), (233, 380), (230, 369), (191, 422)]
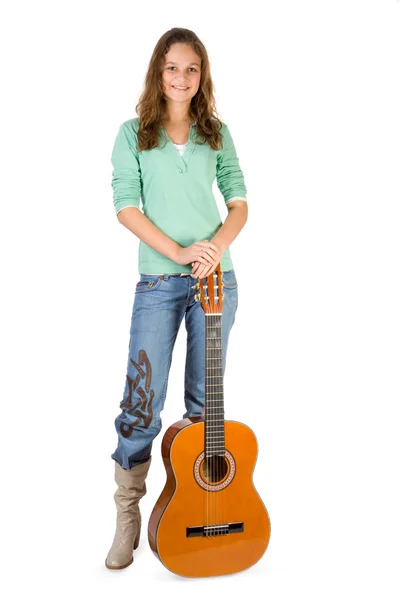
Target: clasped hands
[(204, 257)]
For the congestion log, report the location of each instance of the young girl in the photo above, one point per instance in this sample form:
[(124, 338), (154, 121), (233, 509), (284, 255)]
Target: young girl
[(169, 157)]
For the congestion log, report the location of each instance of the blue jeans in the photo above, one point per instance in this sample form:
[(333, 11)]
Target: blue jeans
[(161, 302)]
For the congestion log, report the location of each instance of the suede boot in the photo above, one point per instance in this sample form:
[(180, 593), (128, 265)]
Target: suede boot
[(131, 488)]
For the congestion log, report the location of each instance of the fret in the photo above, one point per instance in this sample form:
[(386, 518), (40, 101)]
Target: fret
[(214, 413)]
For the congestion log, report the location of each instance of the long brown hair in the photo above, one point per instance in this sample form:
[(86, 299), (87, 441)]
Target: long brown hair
[(151, 105)]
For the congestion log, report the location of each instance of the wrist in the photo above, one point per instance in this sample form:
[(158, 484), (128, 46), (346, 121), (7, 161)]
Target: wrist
[(175, 251), (220, 245)]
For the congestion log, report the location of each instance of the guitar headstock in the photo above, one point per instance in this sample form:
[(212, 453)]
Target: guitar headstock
[(210, 293)]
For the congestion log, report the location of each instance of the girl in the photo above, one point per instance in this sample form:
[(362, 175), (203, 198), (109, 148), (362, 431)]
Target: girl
[(169, 157)]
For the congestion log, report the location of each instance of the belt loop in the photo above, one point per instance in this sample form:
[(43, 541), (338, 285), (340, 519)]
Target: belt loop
[(165, 276)]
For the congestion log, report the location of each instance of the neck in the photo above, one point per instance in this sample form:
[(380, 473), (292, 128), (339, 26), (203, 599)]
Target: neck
[(177, 114)]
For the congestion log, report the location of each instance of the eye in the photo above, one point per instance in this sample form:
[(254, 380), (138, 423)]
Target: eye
[(194, 68)]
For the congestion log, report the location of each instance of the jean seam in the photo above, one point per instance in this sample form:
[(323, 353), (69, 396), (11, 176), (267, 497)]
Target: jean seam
[(163, 394)]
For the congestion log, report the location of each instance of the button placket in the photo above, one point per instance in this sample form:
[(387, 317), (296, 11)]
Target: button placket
[(181, 161)]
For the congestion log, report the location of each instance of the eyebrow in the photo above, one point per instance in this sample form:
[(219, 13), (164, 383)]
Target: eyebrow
[(174, 63)]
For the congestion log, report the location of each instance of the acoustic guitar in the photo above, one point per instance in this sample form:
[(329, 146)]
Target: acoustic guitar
[(209, 519)]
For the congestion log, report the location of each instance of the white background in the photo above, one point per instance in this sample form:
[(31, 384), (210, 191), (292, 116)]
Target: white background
[(311, 93)]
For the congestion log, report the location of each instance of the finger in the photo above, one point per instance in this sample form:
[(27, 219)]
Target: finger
[(195, 268), (203, 260), (204, 271), (213, 246), (212, 268), (207, 272), (200, 269), (207, 246), (210, 253)]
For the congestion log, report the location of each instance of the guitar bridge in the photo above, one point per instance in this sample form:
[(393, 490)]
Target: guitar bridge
[(214, 530)]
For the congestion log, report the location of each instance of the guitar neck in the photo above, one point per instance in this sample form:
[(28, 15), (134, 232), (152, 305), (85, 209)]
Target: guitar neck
[(214, 392)]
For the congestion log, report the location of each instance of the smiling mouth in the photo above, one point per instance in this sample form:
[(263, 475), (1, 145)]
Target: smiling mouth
[(182, 89)]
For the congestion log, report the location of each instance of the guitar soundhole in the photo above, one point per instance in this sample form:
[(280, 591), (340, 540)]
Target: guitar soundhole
[(214, 473), (215, 469)]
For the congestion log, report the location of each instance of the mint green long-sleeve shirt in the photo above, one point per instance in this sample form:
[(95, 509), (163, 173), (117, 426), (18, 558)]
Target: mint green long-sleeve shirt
[(175, 191)]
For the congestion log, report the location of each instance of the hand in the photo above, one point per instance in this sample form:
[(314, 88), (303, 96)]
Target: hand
[(200, 270), (205, 253)]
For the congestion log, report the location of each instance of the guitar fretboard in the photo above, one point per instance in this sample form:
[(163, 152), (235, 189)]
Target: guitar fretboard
[(214, 417)]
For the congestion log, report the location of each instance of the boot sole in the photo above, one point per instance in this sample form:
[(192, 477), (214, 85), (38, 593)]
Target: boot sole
[(118, 568)]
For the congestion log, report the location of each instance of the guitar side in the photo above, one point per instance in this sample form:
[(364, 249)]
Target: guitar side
[(169, 487)]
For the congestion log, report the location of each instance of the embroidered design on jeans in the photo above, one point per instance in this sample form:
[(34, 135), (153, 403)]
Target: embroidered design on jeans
[(142, 409)]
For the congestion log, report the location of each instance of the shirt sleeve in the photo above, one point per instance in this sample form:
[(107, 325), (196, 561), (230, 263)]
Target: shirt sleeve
[(230, 179), (126, 176), (235, 198)]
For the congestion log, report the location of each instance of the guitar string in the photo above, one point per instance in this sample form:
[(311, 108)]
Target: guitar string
[(214, 459), (215, 462), (215, 437), (218, 403), (217, 430), (207, 436)]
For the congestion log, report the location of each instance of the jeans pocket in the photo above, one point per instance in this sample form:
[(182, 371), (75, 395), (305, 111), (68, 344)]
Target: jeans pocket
[(229, 279), (147, 283)]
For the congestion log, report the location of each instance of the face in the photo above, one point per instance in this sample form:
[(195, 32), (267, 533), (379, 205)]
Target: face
[(182, 68)]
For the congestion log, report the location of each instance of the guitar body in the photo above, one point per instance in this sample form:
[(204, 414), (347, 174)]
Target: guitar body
[(209, 519)]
